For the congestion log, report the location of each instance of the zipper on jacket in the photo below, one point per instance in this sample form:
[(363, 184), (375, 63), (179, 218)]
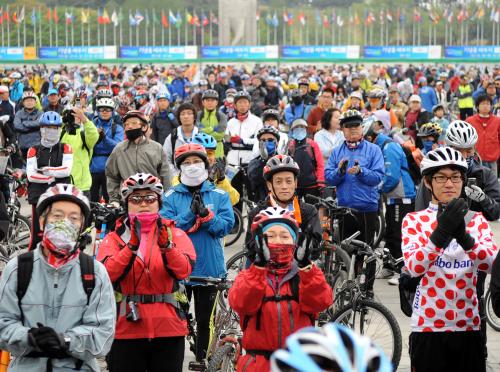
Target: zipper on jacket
[(54, 293), (278, 304)]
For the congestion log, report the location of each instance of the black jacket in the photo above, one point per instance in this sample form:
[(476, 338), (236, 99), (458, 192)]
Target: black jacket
[(162, 124), (495, 287), (258, 187), (310, 227)]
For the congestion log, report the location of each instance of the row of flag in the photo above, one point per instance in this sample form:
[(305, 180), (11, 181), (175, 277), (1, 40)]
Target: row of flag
[(272, 19)]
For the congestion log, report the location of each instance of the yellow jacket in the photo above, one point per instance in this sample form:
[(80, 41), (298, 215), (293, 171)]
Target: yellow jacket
[(225, 185)]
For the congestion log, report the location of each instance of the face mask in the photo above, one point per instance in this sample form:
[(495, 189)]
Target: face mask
[(147, 219), (299, 134), (270, 147), (353, 145), (133, 134), (297, 100), (193, 174), (60, 238), (49, 136), (428, 145), (281, 255), (470, 161)]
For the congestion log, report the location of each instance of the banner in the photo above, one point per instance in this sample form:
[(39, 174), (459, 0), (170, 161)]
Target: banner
[(240, 52), (17, 53), (490, 52), (160, 52), (78, 52), (421, 52), (320, 52)]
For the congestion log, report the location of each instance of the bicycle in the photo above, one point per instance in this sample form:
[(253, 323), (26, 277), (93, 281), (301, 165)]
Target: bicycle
[(491, 318), (105, 216), (224, 344), (354, 309)]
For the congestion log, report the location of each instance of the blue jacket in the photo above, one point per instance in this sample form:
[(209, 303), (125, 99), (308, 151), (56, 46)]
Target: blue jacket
[(397, 182), (293, 112), (176, 88), (429, 98), (27, 127), (208, 239), (104, 147), (16, 91), (357, 191), (480, 91)]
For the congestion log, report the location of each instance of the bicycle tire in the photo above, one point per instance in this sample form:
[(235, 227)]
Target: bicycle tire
[(365, 304), (237, 263), (222, 359), (13, 238), (233, 237), (491, 318), (380, 229)]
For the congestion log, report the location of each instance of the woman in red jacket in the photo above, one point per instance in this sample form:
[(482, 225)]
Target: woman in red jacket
[(276, 296), (146, 256)]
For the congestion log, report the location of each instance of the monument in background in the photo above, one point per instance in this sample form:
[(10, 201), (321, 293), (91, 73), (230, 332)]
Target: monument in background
[(237, 25)]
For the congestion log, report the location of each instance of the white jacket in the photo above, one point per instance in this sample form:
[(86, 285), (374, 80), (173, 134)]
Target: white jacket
[(247, 131), (169, 152)]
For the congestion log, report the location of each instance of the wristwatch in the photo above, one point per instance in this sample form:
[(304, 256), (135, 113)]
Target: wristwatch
[(67, 341)]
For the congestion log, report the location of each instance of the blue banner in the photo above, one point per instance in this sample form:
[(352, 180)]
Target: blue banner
[(421, 52), (473, 52), (87, 53), (17, 53), (159, 52), (320, 51), (240, 52)]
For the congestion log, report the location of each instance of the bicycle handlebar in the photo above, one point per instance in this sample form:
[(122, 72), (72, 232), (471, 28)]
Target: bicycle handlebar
[(218, 282)]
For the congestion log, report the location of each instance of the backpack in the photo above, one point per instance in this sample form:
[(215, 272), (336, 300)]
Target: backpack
[(173, 140), (408, 284), (304, 156), (413, 167), (25, 270)]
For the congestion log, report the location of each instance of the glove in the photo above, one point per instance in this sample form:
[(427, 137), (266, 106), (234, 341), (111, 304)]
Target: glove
[(475, 193), (463, 237), (303, 254), (448, 220), (196, 204), (115, 204), (236, 140), (216, 128), (262, 253), (135, 234), (164, 234), (343, 167), (102, 135), (220, 170), (48, 341)]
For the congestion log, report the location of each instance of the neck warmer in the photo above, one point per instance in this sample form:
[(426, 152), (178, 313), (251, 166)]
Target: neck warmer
[(242, 117)]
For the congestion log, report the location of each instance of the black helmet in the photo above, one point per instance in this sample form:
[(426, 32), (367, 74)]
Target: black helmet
[(210, 93), (270, 130), (242, 95)]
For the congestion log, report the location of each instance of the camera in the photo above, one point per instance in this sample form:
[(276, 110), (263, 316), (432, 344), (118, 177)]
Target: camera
[(133, 315), (69, 120)]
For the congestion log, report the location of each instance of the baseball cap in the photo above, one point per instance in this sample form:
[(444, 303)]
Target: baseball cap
[(415, 98), (52, 91), (4, 89)]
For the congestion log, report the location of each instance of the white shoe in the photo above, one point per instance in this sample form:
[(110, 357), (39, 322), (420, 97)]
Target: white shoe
[(394, 280), (385, 274)]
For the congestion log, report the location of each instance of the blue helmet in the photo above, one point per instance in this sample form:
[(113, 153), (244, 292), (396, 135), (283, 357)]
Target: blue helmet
[(50, 118), (332, 347), (207, 141), (163, 94)]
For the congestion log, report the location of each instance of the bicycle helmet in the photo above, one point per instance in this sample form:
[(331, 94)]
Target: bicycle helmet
[(377, 92), (210, 93), (62, 191), (461, 134), (163, 94), (351, 118), (105, 102), (231, 92), (242, 95), (28, 94), (429, 129), (333, 347), (15, 75), (270, 130), (437, 107), (371, 126), (116, 84), (356, 94), (80, 93), (271, 113), (296, 93), (273, 215), (202, 82), (280, 163), (135, 114), (190, 149), (50, 118), (101, 83), (440, 158), (141, 181), (104, 93), (205, 140)]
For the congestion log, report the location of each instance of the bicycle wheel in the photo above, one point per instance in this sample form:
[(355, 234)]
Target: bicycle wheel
[(234, 265), (237, 229), (491, 317), (223, 359), (19, 234), (379, 230), (375, 321)]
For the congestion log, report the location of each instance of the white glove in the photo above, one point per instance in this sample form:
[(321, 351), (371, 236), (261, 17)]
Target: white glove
[(115, 204), (4, 118), (475, 193)]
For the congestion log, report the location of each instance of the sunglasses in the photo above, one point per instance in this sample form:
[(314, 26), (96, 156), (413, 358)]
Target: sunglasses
[(268, 140), (105, 110), (138, 199)]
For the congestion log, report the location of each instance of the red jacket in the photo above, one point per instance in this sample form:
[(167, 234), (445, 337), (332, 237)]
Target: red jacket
[(148, 276), (488, 131), (260, 319)]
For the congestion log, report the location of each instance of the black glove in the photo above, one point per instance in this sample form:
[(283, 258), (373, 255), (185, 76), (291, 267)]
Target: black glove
[(262, 253), (47, 341), (303, 254), (343, 167), (196, 203), (220, 170), (448, 220), (203, 211), (463, 237), (102, 135)]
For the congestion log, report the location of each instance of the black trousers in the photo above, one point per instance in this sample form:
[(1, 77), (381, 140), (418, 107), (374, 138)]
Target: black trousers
[(481, 278), (35, 229), (366, 224), (237, 182), (465, 113), (447, 351), (394, 214), (98, 188), (147, 355), (204, 300)]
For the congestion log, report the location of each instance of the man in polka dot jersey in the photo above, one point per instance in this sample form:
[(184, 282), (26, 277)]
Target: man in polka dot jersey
[(438, 246)]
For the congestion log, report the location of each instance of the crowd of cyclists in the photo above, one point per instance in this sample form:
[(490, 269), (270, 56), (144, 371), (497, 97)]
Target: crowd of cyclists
[(177, 148)]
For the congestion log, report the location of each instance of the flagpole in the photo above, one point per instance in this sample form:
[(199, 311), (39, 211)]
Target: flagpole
[(34, 29), (137, 32), (98, 27), (129, 29), (66, 27), (8, 28), (211, 39), (120, 19), (88, 27), (24, 30), (114, 27), (105, 29), (146, 15), (162, 29), (154, 26)]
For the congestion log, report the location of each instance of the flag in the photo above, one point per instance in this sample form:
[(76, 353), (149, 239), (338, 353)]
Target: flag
[(417, 17), (257, 16), (318, 17), (105, 17), (214, 19), (496, 18), (276, 22), (290, 18), (382, 16), (33, 16), (269, 19), (179, 19), (99, 16), (131, 19), (285, 16), (20, 17), (401, 16), (189, 18), (450, 16), (69, 18), (171, 17), (196, 20), (461, 15), (334, 18), (326, 22), (480, 12), (114, 18), (164, 20), (14, 17), (49, 15), (155, 17), (204, 20), (388, 15), (357, 20), (340, 21), (55, 16), (302, 19), (85, 16), (369, 18), (1, 15), (138, 17)]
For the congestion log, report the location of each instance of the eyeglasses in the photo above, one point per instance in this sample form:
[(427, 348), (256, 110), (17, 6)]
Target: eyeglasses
[(268, 140), (444, 179), (138, 199), (105, 110)]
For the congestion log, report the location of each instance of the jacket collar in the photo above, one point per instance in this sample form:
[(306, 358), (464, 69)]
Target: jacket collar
[(205, 187)]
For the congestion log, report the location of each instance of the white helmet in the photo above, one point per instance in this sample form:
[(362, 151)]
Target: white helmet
[(461, 134), (440, 158), (105, 102), (141, 181)]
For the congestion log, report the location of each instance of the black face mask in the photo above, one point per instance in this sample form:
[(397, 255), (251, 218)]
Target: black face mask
[(133, 134), (297, 100)]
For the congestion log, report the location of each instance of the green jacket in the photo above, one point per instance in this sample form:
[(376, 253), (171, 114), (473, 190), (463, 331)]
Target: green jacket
[(214, 124), (80, 173)]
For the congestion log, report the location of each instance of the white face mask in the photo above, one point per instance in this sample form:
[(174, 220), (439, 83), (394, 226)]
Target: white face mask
[(49, 136), (193, 174)]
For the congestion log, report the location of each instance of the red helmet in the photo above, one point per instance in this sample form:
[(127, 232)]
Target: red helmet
[(190, 149), (141, 181), (135, 114), (274, 214)]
